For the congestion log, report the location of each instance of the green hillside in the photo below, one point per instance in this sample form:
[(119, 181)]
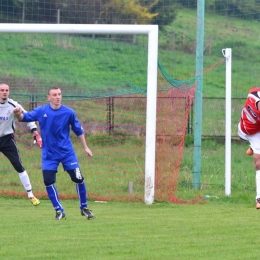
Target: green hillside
[(220, 33), (96, 66)]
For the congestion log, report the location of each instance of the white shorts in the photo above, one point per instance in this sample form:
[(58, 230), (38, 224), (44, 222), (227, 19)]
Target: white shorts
[(254, 140)]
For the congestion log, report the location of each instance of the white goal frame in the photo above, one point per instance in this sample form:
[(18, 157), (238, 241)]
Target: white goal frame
[(152, 32), (227, 53)]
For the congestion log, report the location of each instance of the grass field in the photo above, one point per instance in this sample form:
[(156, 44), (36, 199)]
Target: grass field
[(216, 229)]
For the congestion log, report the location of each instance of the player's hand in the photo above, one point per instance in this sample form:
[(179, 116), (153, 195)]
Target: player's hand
[(37, 139), (89, 153), (17, 111)]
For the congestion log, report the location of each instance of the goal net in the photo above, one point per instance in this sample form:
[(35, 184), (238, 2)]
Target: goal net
[(108, 75)]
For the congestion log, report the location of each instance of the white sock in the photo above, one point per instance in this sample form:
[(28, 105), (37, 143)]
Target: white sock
[(257, 182), (26, 183)]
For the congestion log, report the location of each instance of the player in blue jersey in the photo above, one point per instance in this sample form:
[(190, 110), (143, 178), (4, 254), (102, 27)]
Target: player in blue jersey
[(55, 120)]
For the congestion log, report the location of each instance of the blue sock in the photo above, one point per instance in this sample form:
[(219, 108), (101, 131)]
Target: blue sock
[(54, 197), (82, 193)]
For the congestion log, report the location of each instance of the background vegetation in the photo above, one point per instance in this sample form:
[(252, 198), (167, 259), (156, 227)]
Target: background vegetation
[(27, 59), (219, 227)]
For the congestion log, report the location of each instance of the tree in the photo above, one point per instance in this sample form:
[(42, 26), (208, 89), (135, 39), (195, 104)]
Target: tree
[(126, 11), (166, 10)]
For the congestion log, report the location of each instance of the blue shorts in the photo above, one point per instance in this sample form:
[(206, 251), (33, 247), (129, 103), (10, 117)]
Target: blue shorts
[(68, 163)]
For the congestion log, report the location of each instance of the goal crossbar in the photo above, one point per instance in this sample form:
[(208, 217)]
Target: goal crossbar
[(152, 32)]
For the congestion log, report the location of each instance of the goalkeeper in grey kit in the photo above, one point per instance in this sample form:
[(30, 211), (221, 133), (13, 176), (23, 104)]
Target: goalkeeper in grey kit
[(7, 141)]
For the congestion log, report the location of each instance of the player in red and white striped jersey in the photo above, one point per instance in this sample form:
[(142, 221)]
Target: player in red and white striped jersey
[(249, 130)]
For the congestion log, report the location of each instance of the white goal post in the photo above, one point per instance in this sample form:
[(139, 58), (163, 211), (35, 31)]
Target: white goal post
[(152, 32), (227, 53)]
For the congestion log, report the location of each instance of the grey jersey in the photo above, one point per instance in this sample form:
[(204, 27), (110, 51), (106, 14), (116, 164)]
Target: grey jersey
[(7, 117)]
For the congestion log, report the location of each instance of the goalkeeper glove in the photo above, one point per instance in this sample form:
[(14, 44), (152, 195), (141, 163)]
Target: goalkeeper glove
[(37, 139)]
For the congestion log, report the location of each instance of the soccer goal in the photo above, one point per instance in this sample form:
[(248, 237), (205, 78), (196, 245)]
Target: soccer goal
[(151, 31)]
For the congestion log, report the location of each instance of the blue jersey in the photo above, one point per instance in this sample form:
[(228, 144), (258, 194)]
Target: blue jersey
[(55, 130)]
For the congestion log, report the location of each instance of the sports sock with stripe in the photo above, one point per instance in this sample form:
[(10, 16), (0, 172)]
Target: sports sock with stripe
[(26, 183), (54, 197), (82, 194)]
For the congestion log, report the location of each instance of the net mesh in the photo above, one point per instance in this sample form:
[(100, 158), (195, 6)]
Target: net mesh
[(103, 78), (116, 134), (81, 65), (89, 67)]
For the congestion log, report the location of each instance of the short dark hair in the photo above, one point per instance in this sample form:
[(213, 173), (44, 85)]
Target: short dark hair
[(52, 89)]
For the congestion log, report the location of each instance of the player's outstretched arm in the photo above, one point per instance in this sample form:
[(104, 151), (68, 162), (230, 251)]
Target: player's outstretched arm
[(18, 112), (84, 144)]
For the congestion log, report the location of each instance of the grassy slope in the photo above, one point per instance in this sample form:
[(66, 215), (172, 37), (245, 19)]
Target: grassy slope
[(222, 32), (80, 65), (88, 64)]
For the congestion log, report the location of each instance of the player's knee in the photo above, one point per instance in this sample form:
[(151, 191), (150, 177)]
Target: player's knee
[(48, 183), (18, 167), (49, 177), (76, 175)]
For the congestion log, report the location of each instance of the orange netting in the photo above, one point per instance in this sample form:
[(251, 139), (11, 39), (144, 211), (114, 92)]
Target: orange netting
[(116, 135)]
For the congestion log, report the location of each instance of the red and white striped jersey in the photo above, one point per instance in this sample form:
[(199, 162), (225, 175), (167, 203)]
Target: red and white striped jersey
[(250, 115)]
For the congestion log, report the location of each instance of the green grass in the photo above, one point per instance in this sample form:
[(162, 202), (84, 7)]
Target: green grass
[(77, 65), (215, 229), (220, 32), (213, 171), (219, 228), (113, 166), (94, 67)]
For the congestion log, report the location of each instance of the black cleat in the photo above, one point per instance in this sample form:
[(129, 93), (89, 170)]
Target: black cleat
[(87, 213), (60, 215)]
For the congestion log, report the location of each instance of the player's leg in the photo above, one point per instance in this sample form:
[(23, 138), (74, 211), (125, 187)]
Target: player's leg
[(11, 151), (81, 189), (49, 178), (249, 151), (78, 179), (244, 137), (254, 141), (257, 179)]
